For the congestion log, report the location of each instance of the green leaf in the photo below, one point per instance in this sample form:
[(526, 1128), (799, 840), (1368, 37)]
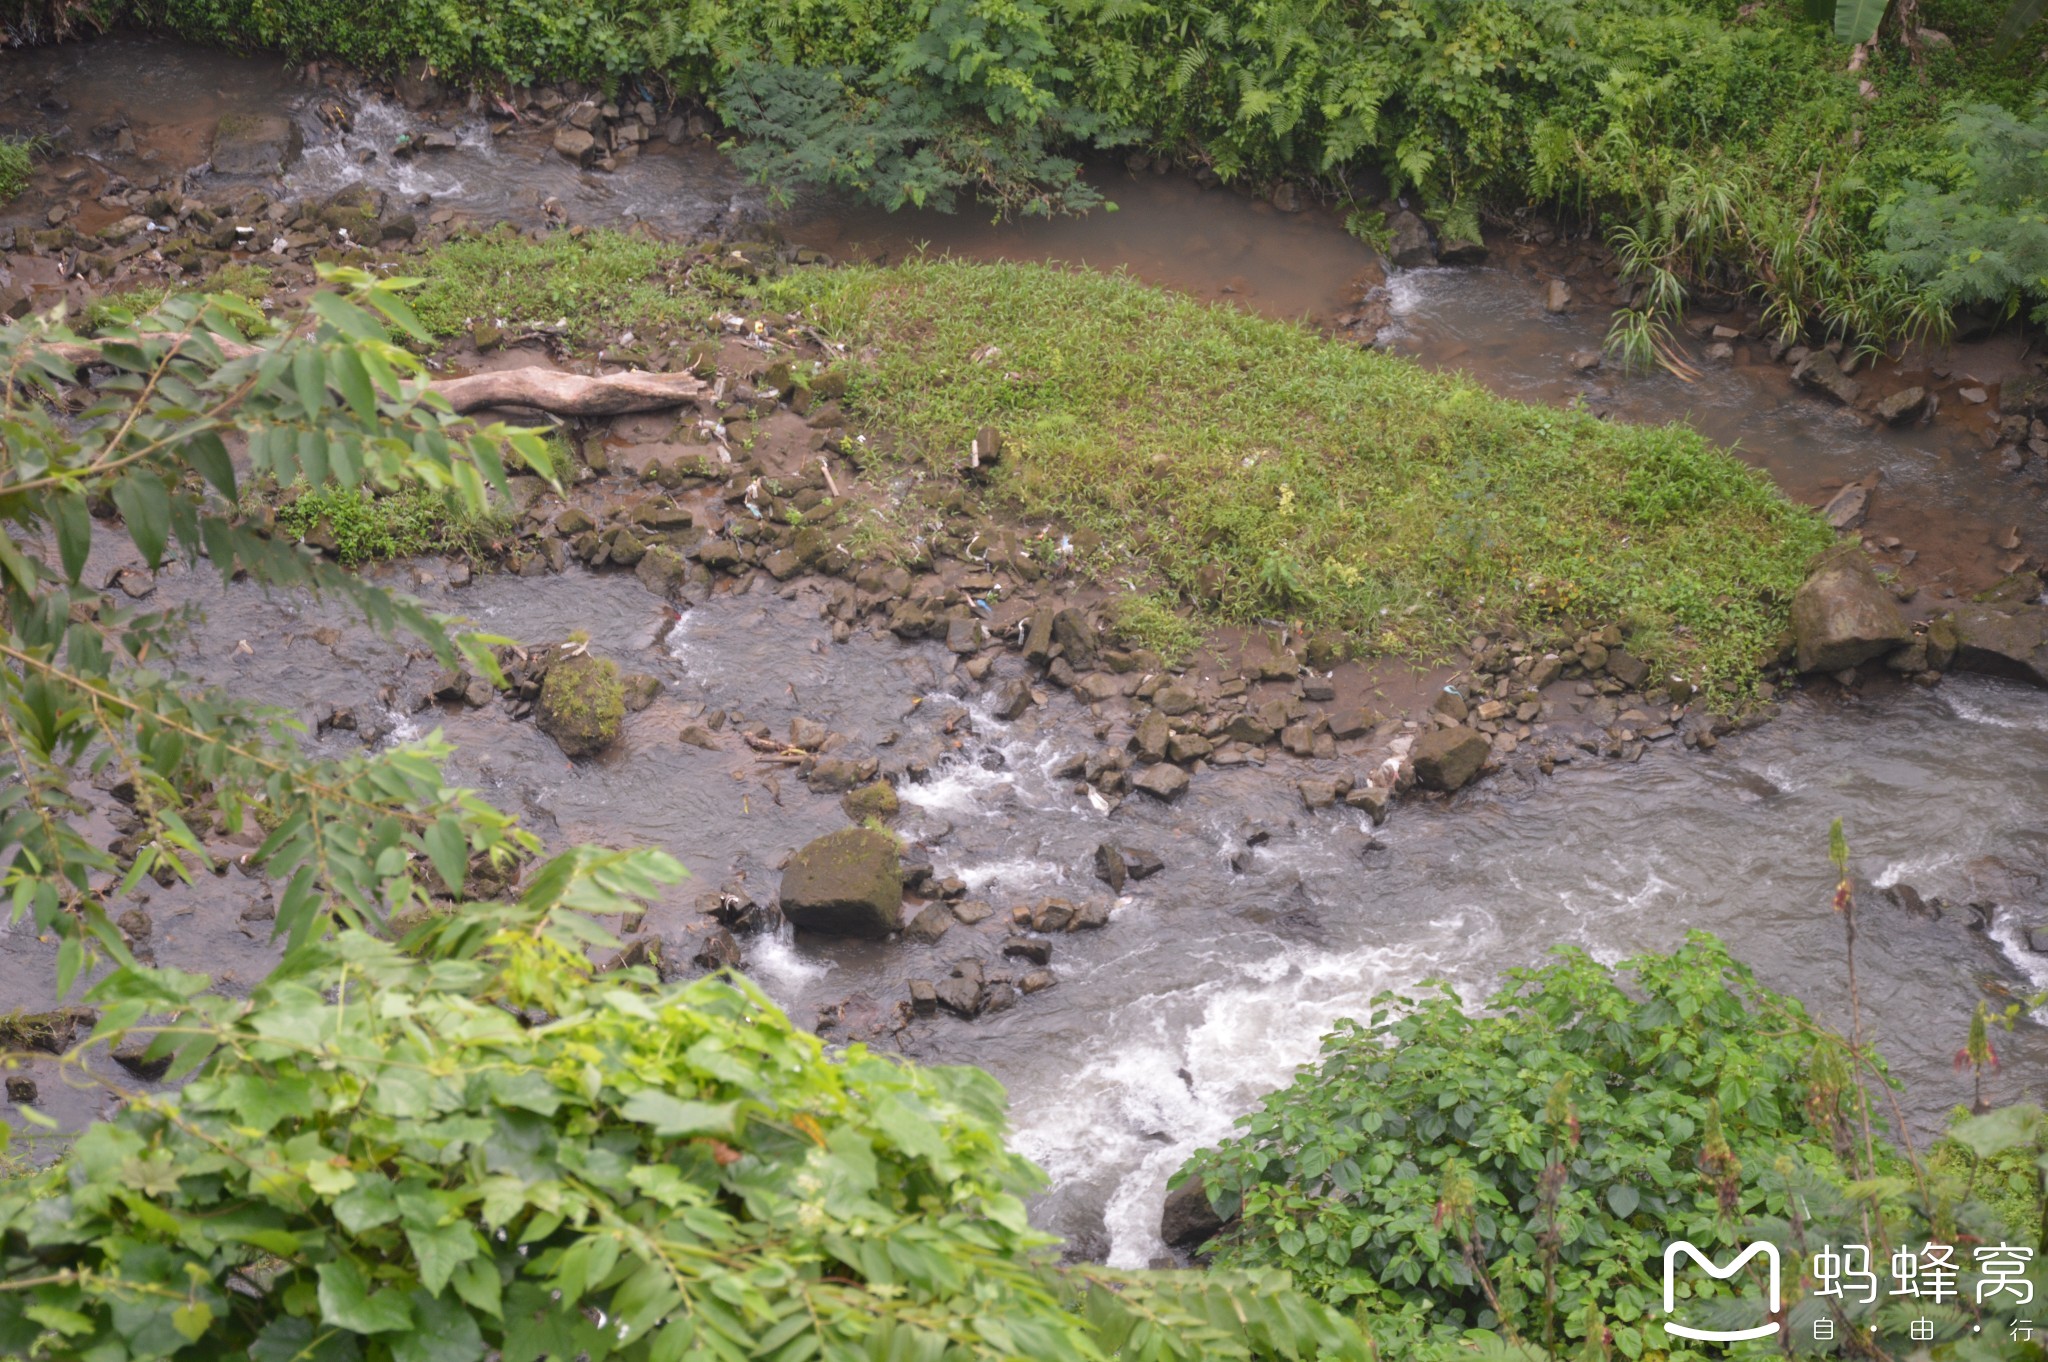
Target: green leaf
[(1622, 1199), (192, 1320), (354, 381), (440, 1250), (676, 1116), (446, 1333), (346, 1300), (309, 376), (1997, 1131), (448, 848), (206, 453), (74, 531), (145, 506)]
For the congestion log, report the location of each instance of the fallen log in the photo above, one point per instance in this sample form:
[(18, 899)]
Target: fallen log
[(533, 387)]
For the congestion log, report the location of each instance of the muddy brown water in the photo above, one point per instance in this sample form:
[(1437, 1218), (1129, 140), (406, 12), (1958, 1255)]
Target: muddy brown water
[(1212, 981)]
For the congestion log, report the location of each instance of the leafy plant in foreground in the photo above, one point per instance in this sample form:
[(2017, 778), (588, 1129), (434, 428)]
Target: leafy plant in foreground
[(488, 1149)]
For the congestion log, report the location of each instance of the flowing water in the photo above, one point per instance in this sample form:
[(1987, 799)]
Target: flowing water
[(1217, 976)]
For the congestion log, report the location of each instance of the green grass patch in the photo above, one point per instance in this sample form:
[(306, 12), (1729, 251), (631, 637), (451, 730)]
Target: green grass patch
[(17, 162), (399, 525), (122, 308), (596, 286), (1333, 486)]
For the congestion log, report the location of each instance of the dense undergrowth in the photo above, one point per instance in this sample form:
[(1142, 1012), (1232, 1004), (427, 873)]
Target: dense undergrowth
[(1721, 146)]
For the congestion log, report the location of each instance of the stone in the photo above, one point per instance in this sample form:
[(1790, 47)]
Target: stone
[(931, 923), (640, 691), (1188, 1221), (1451, 705), (1975, 396), (575, 143), (1847, 508), (21, 1089), (1371, 799), (1142, 864), (1557, 296), (696, 735), (1012, 699), (1410, 247), (1038, 636), (48, 1032), (874, 800), (1164, 782), (1905, 405), (1448, 758), (924, 998), (807, 734), (1354, 722), (971, 911), (1318, 794), (1843, 615), (1187, 747), (2026, 395), (1110, 867), (1462, 250), (582, 704), (2010, 641), (1035, 949), (1037, 981), (1819, 372), (846, 883), (964, 636), (1175, 700), (1248, 728), (1076, 640), (1097, 687), (837, 775), (1152, 736), (255, 144), (1626, 667)]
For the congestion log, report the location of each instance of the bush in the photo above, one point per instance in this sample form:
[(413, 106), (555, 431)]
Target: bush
[(1520, 1171), (486, 1149)]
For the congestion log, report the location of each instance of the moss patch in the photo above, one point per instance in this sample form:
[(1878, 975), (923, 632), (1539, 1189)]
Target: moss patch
[(582, 704)]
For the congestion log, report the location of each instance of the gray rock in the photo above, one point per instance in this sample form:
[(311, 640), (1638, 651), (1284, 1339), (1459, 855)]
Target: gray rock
[(1110, 867), (640, 691), (1318, 794), (575, 143), (1164, 781), (1142, 864), (1902, 406), (1819, 373), (1013, 699), (1037, 981), (1373, 799), (846, 883), (582, 704), (924, 999), (1152, 736), (1843, 615), (1847, 508), (931, 923), (255, 144), (1174, 700), (1188, 1220), (1035, 949), (1449, 758), (1411, 248), (971, 911), (2003, 641)]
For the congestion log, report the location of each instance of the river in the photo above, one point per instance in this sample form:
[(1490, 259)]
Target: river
[(1216, 976)]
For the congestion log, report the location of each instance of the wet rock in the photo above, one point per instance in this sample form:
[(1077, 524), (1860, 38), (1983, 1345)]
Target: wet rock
[(1819, 372), (924, 998), (846, 883), (969, 912), (2011, 642), (807, 734), (51, 1033), (932, 922), (1557, 296), (1905, 405), (662, 571), (1188, 1220), (837, 775), (1626, 668), (1372, 799), (2026, 395), (1074, 637), (1448, 758), (640, 690), (1141, 864), (1152, 736), (1012, 699), (576, 144), (582, 704), (714, 949), (1163, 781), (961, 992), (1187, 747), (21, 1089), (1410, 248), (1038, 638), (1847, 508), (1175, 700), (1248, 728), (1318, 794), (874, 800), (255, 144), (1843, 615), (1110, 867), (1034, 949), (1037, 981), (964, 636), (697, 735)]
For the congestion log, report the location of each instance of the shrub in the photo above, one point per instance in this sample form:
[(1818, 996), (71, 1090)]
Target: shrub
[(486, 1149), (1520, 1171)]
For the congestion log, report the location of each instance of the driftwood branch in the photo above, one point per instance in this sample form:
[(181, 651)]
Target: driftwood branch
[(534, 387)]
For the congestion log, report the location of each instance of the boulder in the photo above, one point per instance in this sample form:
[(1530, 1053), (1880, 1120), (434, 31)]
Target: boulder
[(1843, 615), (875, 800), (1013, 699), (1142, 864), (1448, 758), (2010, 641), (1819, 373), (1902, 406), (582, 704), (1847, 508), (929, 925), (1110, 867), (640, 690), (1164, 781), (1462, 250), (1557, 296), (255, 144), (1410, 247), (574, 143), (846, 883), (1188, 1220)]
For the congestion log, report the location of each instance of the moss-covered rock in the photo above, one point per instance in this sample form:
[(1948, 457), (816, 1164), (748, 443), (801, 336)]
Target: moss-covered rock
[(847, 883), (870, 801), (582, 704)]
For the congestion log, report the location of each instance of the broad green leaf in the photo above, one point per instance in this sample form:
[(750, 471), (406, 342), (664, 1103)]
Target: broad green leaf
[(448, 848), (206, 453), (676, 1116), (1623, 1199), (309, 376), (346, 1299), (145, 506), (74, 531)]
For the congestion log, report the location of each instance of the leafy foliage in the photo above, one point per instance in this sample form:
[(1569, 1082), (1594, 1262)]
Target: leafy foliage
[(364, 526), (486, 1149), (1981, 241), (17, 161), (332, 402), (1520, 1171)]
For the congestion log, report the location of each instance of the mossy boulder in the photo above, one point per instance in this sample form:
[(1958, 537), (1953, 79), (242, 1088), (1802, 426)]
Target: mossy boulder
[(847, 883), (582, 704), (877, 800)]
